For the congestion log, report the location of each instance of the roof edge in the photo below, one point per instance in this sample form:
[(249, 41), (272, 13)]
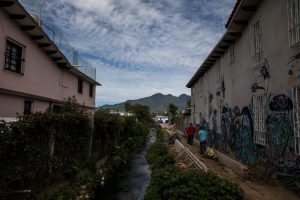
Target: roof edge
[(33, 22)]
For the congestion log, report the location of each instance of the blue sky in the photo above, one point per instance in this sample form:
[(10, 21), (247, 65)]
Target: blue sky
[(139, 47)]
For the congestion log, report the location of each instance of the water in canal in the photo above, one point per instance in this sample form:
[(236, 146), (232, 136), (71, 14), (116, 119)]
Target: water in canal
[(133, 179)]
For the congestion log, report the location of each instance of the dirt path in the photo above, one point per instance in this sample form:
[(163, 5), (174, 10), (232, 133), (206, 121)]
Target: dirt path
[(254, 190)]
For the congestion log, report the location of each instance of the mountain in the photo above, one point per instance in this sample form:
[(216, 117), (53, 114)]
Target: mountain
[(157, 102)]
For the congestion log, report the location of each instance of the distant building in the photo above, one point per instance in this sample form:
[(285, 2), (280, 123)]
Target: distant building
[(183, 120), (120, 113), (162, 119), (248, 88), (35, 74)]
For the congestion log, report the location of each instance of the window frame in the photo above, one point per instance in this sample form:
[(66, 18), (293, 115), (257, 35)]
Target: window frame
[(91, 90), (296, 117), (56, 108), (80, 86), (259, 102), (219, 120), (231, 55), (293, 12), (18, 59), (26, 111), (256, 44)]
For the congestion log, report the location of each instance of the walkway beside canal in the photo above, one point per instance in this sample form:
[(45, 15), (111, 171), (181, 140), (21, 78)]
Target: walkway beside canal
[(254, 189)]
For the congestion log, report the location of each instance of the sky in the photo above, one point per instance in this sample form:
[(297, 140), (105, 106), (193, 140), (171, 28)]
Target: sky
[(138, 47)]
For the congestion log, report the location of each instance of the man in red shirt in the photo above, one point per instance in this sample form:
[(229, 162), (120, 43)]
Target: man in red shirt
[(190, 131)]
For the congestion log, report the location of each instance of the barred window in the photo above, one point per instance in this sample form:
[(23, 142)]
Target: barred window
[(231, 54), (219, 116), (296, 118), (256, 52), (13, 56), (259, 115), (293, 10), (80, 86)]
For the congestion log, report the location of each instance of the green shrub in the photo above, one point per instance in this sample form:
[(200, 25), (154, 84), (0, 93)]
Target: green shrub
[(107, 132), (169, 182), (29, 161), (26, 161)]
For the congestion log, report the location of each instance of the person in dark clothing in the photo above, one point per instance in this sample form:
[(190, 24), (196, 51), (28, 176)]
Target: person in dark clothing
[(190, 131)]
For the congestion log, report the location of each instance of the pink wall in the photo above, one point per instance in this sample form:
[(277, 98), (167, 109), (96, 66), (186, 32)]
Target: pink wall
[(42, 77), (10, 105), (71, 82)]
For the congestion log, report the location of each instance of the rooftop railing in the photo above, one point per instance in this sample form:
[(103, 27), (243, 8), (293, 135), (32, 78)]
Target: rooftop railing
[(70, 52), (72, 55)]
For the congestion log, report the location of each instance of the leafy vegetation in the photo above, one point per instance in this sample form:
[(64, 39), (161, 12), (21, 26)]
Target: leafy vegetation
[(173, 111), (43, 148), (171, 182), (141, 112), (114, 137)]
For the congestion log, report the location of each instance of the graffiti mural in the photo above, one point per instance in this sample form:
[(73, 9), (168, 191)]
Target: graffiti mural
[(245, 149), (236, 138), (281, 102), (282, 161), (277, 157)]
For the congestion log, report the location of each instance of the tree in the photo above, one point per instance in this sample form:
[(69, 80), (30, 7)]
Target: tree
[(141, 112), (172, 109), (189, 103), (128, 107)]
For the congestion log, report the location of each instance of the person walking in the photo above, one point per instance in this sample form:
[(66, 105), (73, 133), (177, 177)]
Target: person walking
[(190, 131), (202, 138)]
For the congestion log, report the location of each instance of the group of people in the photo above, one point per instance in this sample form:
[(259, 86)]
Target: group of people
[(191, 131)]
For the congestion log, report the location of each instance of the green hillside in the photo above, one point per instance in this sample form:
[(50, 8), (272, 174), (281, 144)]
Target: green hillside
[(157, 102)]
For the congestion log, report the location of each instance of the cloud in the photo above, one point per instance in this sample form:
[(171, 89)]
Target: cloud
[(140, 47)]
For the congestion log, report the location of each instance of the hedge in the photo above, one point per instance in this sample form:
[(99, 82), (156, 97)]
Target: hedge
[(43, 148)]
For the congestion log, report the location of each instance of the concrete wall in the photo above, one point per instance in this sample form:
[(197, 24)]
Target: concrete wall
[(278, 157), (41, 77)]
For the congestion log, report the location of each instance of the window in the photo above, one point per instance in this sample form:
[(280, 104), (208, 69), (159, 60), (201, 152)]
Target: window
[(27, 107), (219, 116), (296, 116), (256, 52), (56, 108), (13, 56), (231, 54), (91, 90), (80, 86), (293, 11), (259, 115)]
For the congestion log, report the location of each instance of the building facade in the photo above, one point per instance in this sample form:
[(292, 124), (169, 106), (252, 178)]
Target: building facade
[(35, 74), (247, 90)]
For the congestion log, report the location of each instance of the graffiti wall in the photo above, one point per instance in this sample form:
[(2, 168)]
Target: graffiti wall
[(276, 157)]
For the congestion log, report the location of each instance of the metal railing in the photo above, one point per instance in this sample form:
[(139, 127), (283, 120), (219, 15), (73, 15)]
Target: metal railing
[(58, 38), (296, 118), (189, 158)]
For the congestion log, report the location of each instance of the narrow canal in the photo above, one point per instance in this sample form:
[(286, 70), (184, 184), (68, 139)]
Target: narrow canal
[(133, 179)]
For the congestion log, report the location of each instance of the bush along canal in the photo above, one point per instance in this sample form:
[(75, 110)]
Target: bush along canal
[(169, 182), (131, 180)]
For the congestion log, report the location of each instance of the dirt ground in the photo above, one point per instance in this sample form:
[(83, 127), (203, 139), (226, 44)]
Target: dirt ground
[(254, 190)]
